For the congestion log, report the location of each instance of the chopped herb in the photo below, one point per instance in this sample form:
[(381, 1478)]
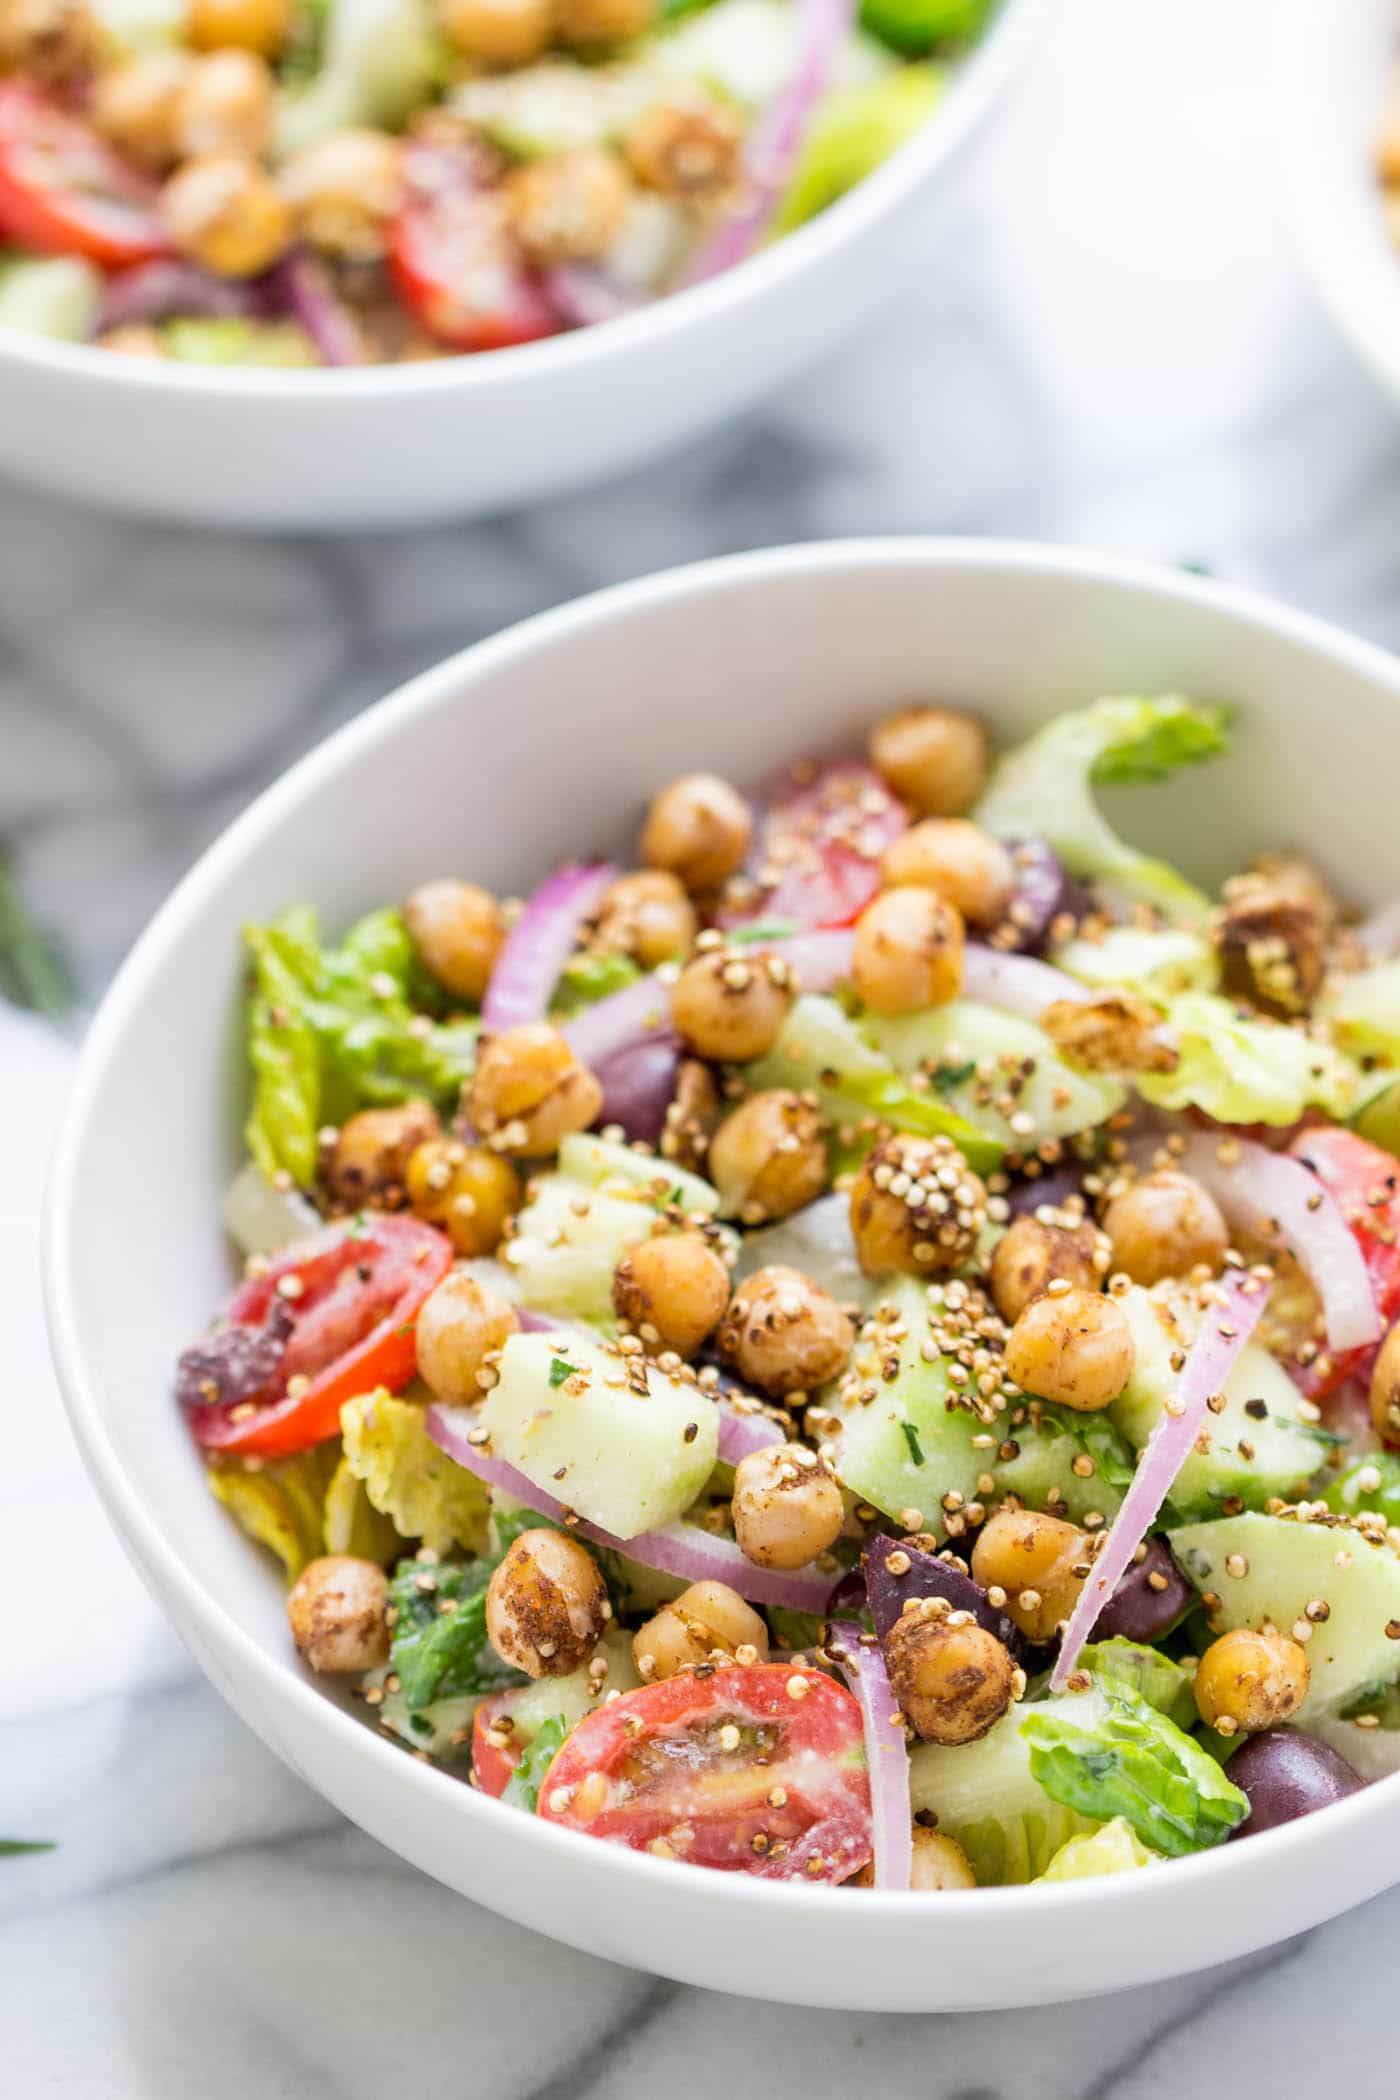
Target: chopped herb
[(559, 1370), (763, 930), (911, 1438), (11, 1847), (947, 1078), (437, 1653)]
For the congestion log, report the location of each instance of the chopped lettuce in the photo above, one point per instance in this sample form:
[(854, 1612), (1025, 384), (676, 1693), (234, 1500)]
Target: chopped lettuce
[(1247, 1069), (423, 1492), (439, 1648), (1370, 1487), (986, 1795), (586, 978), (853, 132), (1116, 1849), (1167, 1685), (353, 1525), (913, 27), (1045, 788), (1157, 963), (57, 296), (522, 1789), (282, 1503), (1129, 1760)]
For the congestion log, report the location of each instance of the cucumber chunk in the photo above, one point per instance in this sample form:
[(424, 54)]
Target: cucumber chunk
[(954, 1040), (984, 1795), (605, 1165), (568, 1241)]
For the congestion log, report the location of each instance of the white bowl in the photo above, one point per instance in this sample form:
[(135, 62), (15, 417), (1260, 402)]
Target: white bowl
[(1336, 61), (403, 444), (541, 743)]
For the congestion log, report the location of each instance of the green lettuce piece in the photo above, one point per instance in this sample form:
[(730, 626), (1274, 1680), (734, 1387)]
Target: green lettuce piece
[(1158, 962), (443, 1654), (281, 1503), (1372, 1485), (1116, 1849), (1242, 1069), (1045, 789), (1376, 1116), (1131, 1761), (587, 978), (1364, 1010), (853, 132), (352, 1524), (986, 1795), (57, 296), (1155, 1678), (379, 60), (236, 341), (522, 1789), (913, 27), (424, 1493)]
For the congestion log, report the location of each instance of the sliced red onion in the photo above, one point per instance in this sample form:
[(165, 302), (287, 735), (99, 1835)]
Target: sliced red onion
[(741, 1434), (639, 1085), (774, 143), (819, 959), (886, 1752), (584, 296), (1257, 1189), (641, 1010), (166, 289), (311, 298), (675, 1549), (1016, 983), (538, 946), (1227, 1326)]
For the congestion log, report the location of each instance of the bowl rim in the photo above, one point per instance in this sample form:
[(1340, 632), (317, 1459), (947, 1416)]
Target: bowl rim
[(978, 82), (1250, 1866)]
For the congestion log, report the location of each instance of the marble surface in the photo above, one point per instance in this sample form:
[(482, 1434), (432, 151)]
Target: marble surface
[(1105, 340)]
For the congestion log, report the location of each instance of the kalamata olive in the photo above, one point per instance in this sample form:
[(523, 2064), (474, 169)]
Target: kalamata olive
[(1287, 1774), (638, 1086), (1055, 1189), (1042, 890), (927, 1575), (234, 1363), (1148, 1601)]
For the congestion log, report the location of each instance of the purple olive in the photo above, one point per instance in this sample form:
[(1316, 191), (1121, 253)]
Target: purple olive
[(1056, 1189), (1041, 891), (639, 1084), (927, 1575), (1287, 1774), (1143, 1608)]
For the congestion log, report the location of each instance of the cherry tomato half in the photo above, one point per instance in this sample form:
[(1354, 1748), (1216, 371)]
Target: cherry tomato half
[(822, 837), (1365, 1183), (63, 191), (452, 258), (337, 1312), (754, 1771), (492, 1765)]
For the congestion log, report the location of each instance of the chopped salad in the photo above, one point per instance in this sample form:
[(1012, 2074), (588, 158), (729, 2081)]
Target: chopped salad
[(340, 182), (861, 1348)]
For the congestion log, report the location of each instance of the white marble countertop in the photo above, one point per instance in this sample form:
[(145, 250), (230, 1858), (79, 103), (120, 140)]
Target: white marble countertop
[(1107, 341)]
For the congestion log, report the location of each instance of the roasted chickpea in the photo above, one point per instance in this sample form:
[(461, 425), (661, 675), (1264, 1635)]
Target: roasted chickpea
[(1165, 1225), (963, 863), (684, 149), (460, 1324), (672, 1290), (546, 1605), (603, 21), (939, 1862), (692, 1117), (1112, 1032), (647, 916), (787, 1507), (908, 951), (225, 106), (1035, 1252), (933, 758), (1072, 1346), (137, 106), (730, 1007), (1385, 1388), (465, 1190), (337, 1609), (225, 213), (952, 1678), (343, 192), (251, 25), (370, 1156), (916, 1208), (456, 930), (784, 1334), (769, 1157), (1247, 1681), (530, 1091), (55, 41), (502, 32), (568, 207), (706, 1621), (700, 829), (1040, 1562)]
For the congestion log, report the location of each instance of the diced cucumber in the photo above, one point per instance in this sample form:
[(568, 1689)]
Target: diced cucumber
[(853, 132), (568, 1241), (56, 297), (1258, 1445), (1115, 1848), (624, 1460), (950, 1039), (233, 340), (818, 1241), (984, 1795), (380, 59), (1042, 1474), (558, 105), (749, 49), (604, 1165), (260, 1218), (1288, 1565), (1159, 964)]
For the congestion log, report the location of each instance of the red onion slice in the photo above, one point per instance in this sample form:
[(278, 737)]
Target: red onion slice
[(743, 1433), (678, 1549), (639, 1011), (886, 1753), (819, 959), (584, 297), (538, 946), (311, 298), (1227, 1326), (1016, 983), (1256, 1189), (166, 289)]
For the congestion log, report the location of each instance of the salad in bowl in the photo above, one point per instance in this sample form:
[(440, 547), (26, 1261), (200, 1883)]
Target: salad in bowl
[(857, 1346)]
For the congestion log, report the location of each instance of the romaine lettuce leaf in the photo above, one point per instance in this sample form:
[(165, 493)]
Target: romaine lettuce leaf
[(1247, 1070), (586, 978), (1116, 1849), (352, 1524), (1131, 1761), (1154, 1677), (280, 1503), (522, 1789), (1159, 963), (406, 1477), (436, 1652)]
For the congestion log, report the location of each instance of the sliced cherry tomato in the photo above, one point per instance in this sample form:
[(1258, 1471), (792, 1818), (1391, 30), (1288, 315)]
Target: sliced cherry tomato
[(452, 258), (731, 1771), (1365, 1183), (817, 861), (63, 191), (492, 1764), (336, 1313)]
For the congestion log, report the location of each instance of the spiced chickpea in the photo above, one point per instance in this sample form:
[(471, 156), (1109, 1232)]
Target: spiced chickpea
[(456, 929), (370, 1157), (1385, 1388), (1072, 1346), (500, 32), (692, 1117), (684, 149), (223, 211), (700, 829), (1035, 1252), (466, 1191), (1247, 1681), (933, 757), (1040, 1562), (529, 1091), (784, 1334), (592, 22), (787, 1506), (225, 105), (568, 207), (337, 1609), (953, 1679), (648, 916), (343, 192), (1165, 1225), (546, 1604), (908, 951), (730, 1006), (672, 1291), (460, 1324), (963, 863), (137, 105), (55, 41), (706, 1621), (250, 25), (916, 1208), (769, 1157)]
